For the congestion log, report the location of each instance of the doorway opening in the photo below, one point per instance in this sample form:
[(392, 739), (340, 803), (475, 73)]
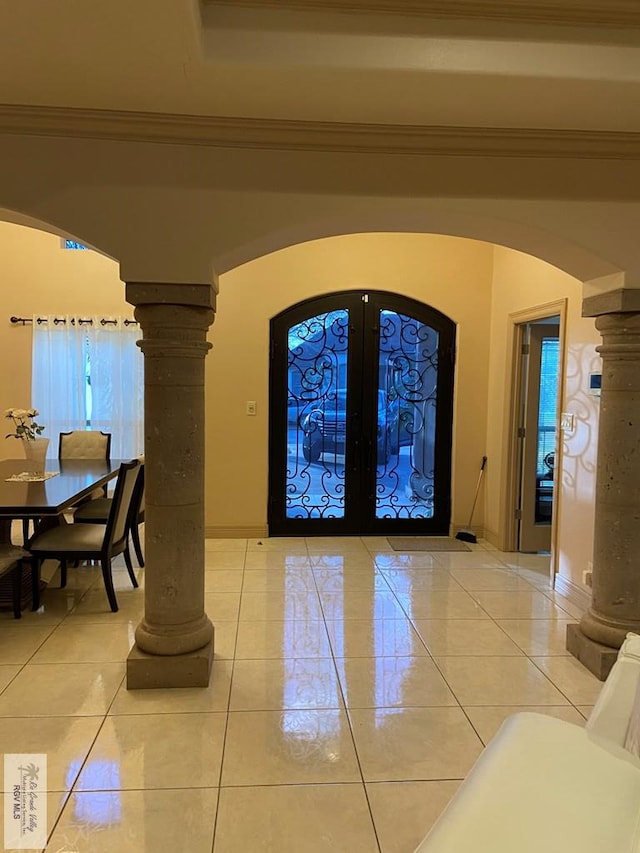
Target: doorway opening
[(536, 397), (361, 401)]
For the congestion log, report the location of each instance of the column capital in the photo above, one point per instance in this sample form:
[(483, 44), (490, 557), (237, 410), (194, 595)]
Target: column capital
[(160, 293), (620, 337), (621, 301), (174, 318), (619, 322)]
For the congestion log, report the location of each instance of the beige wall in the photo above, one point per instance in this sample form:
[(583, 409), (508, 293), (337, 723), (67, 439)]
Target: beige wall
[(450, 274), (521, 282), (39, 277), (454, 275)]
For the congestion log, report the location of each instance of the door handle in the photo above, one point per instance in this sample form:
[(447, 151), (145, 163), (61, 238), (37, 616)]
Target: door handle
[(354, 428), (356, 454)]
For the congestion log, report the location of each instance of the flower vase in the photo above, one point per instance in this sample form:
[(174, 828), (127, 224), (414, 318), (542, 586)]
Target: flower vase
[(36, 452)]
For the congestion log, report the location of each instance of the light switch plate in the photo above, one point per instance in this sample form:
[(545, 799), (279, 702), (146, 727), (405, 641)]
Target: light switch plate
[(567, 421)]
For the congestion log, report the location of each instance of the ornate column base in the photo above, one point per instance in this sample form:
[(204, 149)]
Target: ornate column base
[(192, 669), (598, 659), (615, 596)]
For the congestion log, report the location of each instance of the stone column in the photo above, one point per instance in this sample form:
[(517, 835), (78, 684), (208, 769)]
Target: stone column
[(615, 605), (174, 641)]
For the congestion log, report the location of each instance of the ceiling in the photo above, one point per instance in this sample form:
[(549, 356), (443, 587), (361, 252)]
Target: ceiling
[(488, 64)]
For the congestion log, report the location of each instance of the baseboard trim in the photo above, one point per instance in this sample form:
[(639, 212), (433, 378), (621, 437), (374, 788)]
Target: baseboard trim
[(260, 530), (225, 532), (575, 593), (493, 538)]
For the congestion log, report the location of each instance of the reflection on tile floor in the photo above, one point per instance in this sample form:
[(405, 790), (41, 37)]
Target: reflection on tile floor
[(352, 689)]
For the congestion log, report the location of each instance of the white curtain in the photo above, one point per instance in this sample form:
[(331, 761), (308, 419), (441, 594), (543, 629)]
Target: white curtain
[(117, 385), (89, 376), (58, 377)]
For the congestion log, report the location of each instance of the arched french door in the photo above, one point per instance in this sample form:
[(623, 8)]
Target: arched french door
[(361, 399)]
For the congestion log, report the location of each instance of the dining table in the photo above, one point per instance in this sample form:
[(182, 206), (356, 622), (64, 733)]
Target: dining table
[(47, 499)]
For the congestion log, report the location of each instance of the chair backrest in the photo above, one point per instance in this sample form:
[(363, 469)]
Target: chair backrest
[(136, 508), (84, 444), (140, 515), (118, 522)]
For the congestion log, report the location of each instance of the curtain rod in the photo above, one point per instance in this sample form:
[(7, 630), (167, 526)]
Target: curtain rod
[(81, 322)]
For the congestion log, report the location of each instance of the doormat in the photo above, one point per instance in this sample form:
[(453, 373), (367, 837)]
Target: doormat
[(426, 543)]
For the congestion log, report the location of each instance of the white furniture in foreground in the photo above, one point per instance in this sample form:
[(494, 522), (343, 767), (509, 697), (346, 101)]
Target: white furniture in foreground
[(543, 785)]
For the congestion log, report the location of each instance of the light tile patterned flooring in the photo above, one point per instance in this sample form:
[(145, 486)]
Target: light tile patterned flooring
[(352, 689)]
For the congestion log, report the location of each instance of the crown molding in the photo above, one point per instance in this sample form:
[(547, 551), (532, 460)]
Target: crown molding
[(287, 135), (616, 14)]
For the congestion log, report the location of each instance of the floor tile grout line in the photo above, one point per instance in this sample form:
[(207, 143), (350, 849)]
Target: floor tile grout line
[(526, 656), (464, 709), (228, 711), (240, 786), (499, 626), (72, 788), (351, 731), (460, 705), (530, 658), (13, 677), (548, 677), (67, 797)]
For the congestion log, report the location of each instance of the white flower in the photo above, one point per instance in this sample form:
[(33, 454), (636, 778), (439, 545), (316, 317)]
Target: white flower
[(26, 427)]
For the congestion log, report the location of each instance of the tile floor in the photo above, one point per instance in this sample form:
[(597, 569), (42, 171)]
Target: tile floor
[(353, 688)]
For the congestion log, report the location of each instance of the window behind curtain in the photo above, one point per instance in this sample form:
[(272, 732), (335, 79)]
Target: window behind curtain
[(89, 376), (115, 368)]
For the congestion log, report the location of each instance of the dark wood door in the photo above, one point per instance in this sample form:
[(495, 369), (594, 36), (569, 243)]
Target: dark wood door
[(361, 398)]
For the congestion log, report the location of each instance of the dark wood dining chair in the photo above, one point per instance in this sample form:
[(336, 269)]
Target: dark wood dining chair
[(97, 512), (74, 542), (11, 566)]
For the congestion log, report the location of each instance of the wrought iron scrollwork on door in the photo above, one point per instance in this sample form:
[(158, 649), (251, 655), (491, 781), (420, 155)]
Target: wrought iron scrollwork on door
[(361, 385), (316, 428), (408, 373)]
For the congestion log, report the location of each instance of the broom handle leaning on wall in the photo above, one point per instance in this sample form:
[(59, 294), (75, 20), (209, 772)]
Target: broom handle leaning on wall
[(475, 499)]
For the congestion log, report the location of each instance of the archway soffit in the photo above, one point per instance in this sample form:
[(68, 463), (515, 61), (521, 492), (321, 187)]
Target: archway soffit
[(16, 217), (560, 253)]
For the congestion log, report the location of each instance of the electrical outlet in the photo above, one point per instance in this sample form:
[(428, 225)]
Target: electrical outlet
[(586, 577), (251, 407)]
